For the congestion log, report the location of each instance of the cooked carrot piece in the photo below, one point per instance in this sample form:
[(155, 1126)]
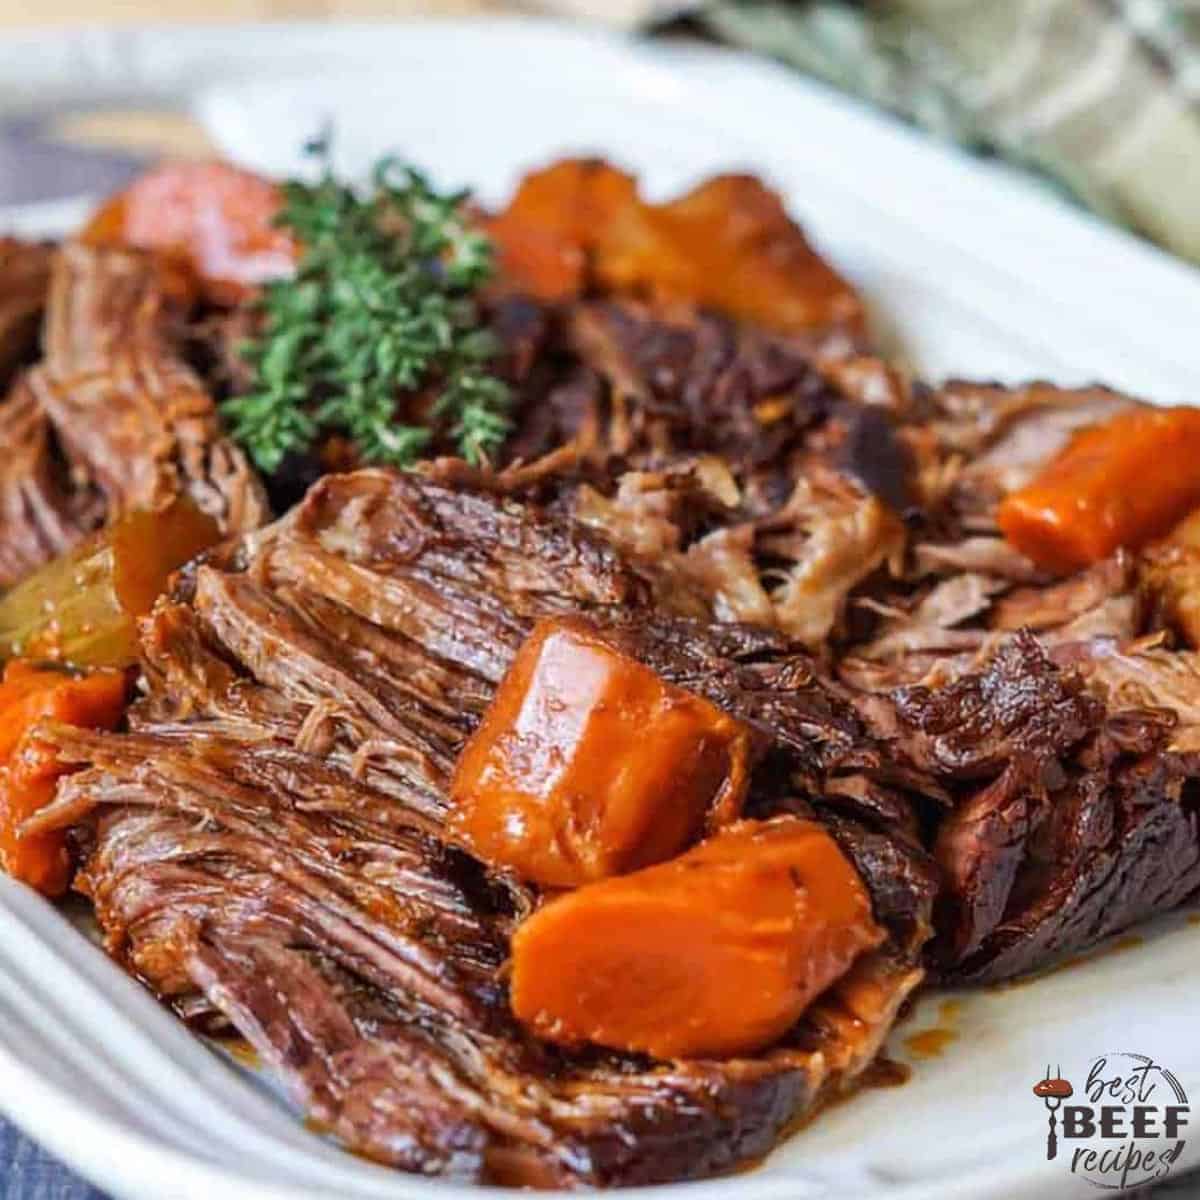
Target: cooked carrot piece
[(588, 764), (213, 219), (31, 694), (1122, 483), (715, 953), (1187, 532), (728, 245), (30, 769), (545, 236), (40, 860)]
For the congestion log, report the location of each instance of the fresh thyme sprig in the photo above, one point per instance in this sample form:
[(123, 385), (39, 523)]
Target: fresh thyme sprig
[(381, 309)]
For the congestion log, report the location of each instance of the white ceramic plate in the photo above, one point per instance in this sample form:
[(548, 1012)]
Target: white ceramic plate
[(970, 268)]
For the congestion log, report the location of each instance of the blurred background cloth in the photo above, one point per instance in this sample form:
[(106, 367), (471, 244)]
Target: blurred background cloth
[(28, 1173), (1099, 96)]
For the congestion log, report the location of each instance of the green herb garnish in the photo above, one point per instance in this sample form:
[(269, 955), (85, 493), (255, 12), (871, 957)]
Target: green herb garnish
[(381, 310)]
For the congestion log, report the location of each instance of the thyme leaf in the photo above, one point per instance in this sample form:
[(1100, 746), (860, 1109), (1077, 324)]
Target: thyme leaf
[(381, 310)]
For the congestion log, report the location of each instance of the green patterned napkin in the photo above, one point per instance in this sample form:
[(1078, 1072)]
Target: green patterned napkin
[(1101, 96)]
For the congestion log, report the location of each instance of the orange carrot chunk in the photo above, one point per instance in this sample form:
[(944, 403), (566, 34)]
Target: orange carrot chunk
[(27, 785), (30, 769), (588, 764), (213, 219), (715, 953), (31, 694), (1122, 483), (545, 236), (729, 244)]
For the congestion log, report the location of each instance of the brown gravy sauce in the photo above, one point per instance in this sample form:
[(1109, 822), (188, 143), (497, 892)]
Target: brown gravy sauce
[(929, 1043), (241, 1052)]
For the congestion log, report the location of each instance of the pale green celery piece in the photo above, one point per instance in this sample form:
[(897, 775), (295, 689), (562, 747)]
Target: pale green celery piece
[(69, 611)]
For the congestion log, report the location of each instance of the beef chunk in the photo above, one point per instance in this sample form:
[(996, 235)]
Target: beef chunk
[(696, 382), (1075, 814), (1019, 706), (112, 419), (1116, 847)]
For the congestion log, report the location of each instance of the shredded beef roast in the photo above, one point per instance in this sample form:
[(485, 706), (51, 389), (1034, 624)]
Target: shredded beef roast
[(24, 281), (1048, 710), (268, 842), (1075, 799), (963, 588), (133, 420), (41, 515), (112, 418), (794, 532), (761, 483)]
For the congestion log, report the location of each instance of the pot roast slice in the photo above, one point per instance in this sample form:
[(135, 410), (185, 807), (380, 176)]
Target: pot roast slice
[(363, 961), (133, 420), (266, 845)]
